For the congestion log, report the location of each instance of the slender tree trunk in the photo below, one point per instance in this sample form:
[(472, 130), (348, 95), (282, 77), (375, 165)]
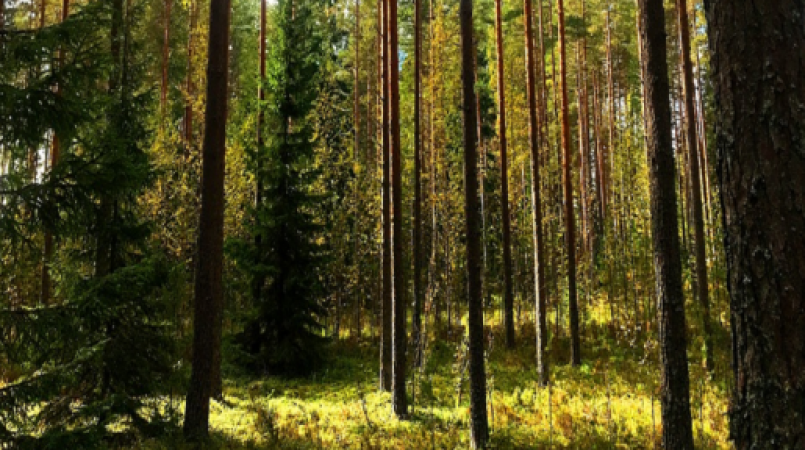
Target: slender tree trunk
[(208, 303), (258, 195), (583, 143), (508, 295), (695, 192), (399, 288), (479, 426), (599, 151), (536, 201), (386, 346), (188, 107), (55, 150), (356, 108), (570, 225), (163, 98), (675, 395), (418, 253), (610, 151), (758, 58)]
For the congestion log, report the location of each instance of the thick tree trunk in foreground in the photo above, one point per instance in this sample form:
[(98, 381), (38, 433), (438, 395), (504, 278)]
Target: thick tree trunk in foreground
[(508, 295), (399, 288), (691, 141), (676, 418), (570, 223), (536, 201), (757, 66), (208, 300), (479, 425)]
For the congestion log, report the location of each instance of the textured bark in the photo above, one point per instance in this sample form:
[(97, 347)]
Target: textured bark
[(570, 223), (399, 288), (208, 299), (691, 142), (508, 295), (758, 60), (386, 347), (479, 425), (536, 201), (675, 396)]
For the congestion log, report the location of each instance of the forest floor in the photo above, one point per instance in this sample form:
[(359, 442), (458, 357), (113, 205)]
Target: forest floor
[(610, 401)]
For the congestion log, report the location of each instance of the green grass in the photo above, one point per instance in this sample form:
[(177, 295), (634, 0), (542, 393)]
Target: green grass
[(610, 402)]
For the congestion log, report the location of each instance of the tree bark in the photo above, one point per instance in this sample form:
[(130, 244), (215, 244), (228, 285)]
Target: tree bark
[(479, 425), (208, 300), (508, 295), (675, 395), (758, 58), (570, 225), (536, 201), (399, 288), (386, 346)]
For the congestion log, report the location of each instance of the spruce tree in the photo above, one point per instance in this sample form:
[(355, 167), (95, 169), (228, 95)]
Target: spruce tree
[(283, 335)]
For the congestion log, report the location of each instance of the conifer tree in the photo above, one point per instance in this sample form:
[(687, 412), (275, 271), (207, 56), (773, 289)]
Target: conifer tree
[(283, 334)]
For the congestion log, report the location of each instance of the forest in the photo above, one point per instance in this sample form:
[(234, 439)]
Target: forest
[(413, 224)]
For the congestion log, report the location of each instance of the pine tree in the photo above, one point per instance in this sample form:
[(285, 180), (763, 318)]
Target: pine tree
[(675, 395), (760, 139)]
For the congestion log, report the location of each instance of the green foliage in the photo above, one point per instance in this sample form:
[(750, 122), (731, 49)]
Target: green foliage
[(95, 352), (91, 361), (283, 334)]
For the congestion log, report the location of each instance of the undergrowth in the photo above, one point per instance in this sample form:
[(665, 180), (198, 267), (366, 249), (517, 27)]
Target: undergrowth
[(610, 401)]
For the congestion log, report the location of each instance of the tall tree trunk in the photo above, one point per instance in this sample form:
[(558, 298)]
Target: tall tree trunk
[(356, 107), (55, 150), (479, 425), (418, 250), (258, 195), (508, 295), (399, 288), (758, 57), (536, 200), (208, 301), (163, 98), (386, 346), (610, 151), (675, 395), (696, 191), (188, 107), (570, 225)]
